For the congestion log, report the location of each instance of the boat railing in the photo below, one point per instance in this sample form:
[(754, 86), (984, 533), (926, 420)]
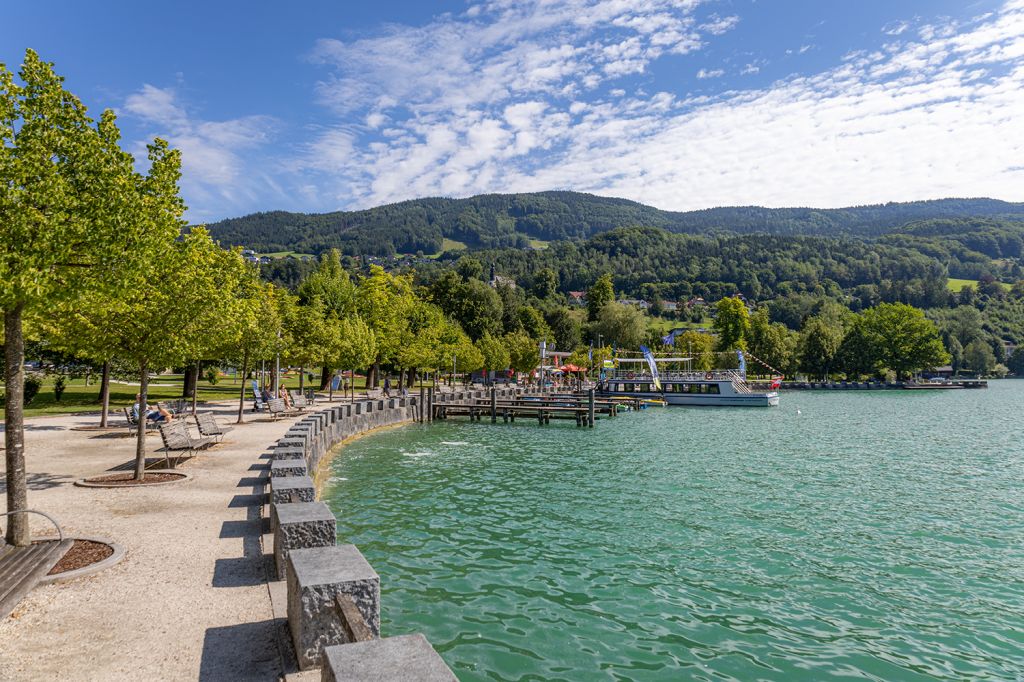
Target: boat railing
[(677, 376)]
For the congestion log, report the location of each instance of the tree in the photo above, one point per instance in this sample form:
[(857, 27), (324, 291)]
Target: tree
[(1016, 362), (480, 309), (545, 283), (524, 352), (383, 301), (565, 328), (494, 351), (732, 324), (903, 338), (819, 343), (532, 322), (71, 208), (699, 347), (856, 355), (357, 345), (979, 358), (623, 324), (598, 296), (770, 342), (469, 268), (257, 321)]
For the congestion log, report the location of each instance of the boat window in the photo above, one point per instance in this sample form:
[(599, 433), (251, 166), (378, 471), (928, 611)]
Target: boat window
[(637, 388), (669, 388), (625, 387), (713, 388), (694, 388)]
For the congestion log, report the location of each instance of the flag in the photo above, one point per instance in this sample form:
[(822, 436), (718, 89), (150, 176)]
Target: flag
[(590, 353), (670, 338), (649, 356), (776, 382), (743, 363)]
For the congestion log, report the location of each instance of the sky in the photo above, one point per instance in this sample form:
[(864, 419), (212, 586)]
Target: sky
[(319, 106)]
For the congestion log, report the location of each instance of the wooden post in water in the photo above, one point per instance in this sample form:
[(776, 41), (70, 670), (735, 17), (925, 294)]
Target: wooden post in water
[(590, 408), (421, 405), (494, 405)]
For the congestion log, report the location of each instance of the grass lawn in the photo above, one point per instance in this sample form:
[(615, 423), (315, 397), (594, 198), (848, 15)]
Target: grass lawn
[(539, 243), (955, 285), (664, 326), (285, 254)]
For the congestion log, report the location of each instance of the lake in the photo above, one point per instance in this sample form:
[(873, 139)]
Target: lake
[(842, 535)]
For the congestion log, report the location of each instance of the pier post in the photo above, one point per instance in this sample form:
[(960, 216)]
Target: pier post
[(494, 405), (590, 408), (421, 405)]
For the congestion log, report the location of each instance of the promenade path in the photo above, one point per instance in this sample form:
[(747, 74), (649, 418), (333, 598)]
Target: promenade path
[(189, 601)]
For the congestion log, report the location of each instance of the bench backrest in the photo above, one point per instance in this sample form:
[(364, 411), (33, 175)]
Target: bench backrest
[(175, 435), (130, 416), (276, 405), (207, 424)]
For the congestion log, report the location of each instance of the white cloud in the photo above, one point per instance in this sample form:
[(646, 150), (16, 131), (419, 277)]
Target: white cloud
[(718, 25), (514, 110), (710, 73), (213, 168)]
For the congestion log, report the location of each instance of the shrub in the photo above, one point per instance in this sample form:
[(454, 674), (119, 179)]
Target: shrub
[(32, 385), (212, 375), (59, 384)]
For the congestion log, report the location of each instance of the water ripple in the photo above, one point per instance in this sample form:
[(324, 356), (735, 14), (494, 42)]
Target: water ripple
[(872, 536)]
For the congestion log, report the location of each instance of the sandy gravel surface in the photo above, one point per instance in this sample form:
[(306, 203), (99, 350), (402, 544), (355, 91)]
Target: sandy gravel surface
[(189, 600)]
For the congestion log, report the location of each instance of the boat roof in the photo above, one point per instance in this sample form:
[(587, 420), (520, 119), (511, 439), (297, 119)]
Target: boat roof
[(644, 360)]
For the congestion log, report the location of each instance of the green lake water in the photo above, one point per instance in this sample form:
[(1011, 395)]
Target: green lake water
[(845, 535)]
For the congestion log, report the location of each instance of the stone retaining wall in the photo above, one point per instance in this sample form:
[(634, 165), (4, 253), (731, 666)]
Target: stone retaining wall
[(316, 569)]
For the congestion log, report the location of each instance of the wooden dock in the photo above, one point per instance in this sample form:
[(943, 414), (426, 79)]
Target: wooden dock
[(584, 409)]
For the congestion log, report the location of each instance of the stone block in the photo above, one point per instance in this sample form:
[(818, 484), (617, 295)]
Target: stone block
[(315, 577), (290, 452), (407, 657), (290, 442), (288, 489), (301, 525), (288, 467)]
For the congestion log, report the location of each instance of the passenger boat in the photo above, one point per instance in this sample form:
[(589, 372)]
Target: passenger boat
[(715, 388)]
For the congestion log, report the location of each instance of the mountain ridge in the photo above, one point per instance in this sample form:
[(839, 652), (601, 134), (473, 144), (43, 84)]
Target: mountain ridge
[(519, 220)]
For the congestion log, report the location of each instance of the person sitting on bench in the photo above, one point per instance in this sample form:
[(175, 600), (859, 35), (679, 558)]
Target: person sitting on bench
[(154, 414)]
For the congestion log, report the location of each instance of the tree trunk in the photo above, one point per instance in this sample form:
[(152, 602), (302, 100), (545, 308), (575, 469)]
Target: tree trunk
[(195, 387), (140, 435), (325, 377), (302, 377), (105, 394), (14, 427), (189, 379), (241, 394)]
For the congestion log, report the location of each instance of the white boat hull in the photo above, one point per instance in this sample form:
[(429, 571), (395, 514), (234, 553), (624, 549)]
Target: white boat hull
[(738, 400)]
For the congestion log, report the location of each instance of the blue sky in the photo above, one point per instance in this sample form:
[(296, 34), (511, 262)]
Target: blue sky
[(682, 104)]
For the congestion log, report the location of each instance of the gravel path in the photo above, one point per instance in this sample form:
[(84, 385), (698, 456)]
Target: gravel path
[(189, 600)]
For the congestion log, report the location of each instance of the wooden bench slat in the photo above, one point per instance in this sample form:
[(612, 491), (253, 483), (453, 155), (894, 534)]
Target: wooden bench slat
[(352, 620), (22, 573)]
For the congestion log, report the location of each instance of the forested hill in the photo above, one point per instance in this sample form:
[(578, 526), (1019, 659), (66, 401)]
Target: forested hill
[(513, 220)]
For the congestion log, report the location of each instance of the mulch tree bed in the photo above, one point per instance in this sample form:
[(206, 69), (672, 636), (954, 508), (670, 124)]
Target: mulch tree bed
[(129, 478), (83, 553)]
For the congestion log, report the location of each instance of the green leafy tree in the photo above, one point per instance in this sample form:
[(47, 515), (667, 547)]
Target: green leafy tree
[(979, 358), (533, 323), (1016, 362), (524, 352), (480, 310), (384, 301), (771, 342), (565, 328), (357, 345), (72, 216), (623, 324), (495, 352), (469, 268), (819, 343), (856, 355), (598, 296), (257, 320), (545, 283), (699, 347), (904, 340), (732, 324)]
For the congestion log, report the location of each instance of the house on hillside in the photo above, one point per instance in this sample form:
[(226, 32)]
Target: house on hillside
[(636, 303), (578, 298), (670, 306)]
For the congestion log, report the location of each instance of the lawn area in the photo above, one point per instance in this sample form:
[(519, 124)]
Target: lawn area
[(955, 285), (664, 326), (285, 254), (539, 244), (452, 245)]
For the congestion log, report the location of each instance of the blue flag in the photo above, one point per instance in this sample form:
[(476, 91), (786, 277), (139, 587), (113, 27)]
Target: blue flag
[(649, 356), (743, 364), (670, 338)]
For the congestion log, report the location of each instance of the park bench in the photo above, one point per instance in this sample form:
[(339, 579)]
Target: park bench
[(21, 568), (310, 397), (176, 438), (298, 400), (208, 426), (374, 393), (277, 408), (133, 423)]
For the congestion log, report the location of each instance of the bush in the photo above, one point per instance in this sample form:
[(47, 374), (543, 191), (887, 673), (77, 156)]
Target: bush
[(32, 386), (59, 384), (212, 376)]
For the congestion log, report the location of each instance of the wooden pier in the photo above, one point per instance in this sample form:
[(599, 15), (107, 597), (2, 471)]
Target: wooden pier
[(581, 408)]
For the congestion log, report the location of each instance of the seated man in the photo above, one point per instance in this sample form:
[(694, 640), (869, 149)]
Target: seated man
[(154, 413)]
